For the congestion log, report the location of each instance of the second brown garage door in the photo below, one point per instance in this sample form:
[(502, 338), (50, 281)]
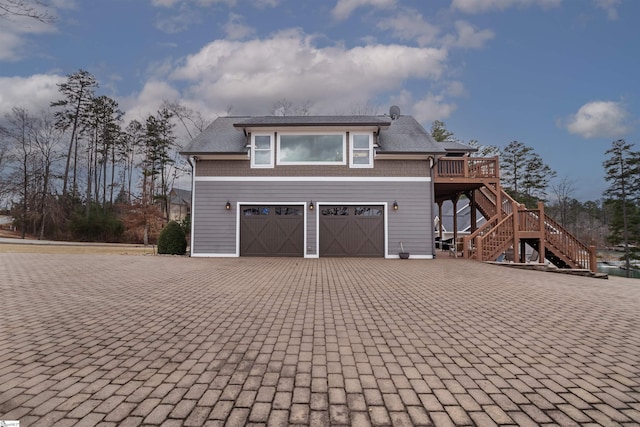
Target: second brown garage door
[(352, 231), (271, 231)]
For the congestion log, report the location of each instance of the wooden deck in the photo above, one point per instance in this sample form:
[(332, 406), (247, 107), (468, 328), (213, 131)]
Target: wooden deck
[(510, 225)]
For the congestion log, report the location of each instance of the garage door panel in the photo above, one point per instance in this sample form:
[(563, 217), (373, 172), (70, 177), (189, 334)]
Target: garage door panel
[(288, 237), (253, 236), (271, 231), (352, 231)]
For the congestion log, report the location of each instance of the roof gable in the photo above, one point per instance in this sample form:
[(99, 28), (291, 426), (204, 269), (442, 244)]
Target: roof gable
[(403, 134)]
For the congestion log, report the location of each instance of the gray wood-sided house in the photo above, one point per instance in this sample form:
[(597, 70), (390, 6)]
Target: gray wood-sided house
[(313, 186)]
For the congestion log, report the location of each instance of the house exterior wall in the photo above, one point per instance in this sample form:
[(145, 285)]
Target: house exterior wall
[(216, 230), (381, 168)]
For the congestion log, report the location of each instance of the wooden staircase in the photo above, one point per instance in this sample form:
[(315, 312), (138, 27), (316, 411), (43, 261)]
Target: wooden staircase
[(510, 225), (514, 226)]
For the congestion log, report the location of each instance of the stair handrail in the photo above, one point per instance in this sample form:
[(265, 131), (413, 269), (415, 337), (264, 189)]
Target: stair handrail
[(476, 245), (579, 253), (489, 244)]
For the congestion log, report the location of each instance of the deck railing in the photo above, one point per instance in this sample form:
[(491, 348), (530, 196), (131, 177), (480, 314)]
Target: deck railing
[(493, 237), (467, 167)]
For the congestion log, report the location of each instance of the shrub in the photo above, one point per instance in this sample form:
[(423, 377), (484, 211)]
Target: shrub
[(172, 240), (97, 225)]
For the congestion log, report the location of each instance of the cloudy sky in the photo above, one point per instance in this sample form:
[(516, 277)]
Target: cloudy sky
[(557, 75)]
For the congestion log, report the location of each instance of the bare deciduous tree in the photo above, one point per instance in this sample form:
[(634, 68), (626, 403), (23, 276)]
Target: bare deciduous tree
[(34, 9), (563, 192), (46, 138), (191, 120), (284, 107), (19, 131)]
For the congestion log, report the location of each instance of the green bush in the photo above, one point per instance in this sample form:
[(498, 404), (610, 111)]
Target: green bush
[(97, 225), (172, 240)]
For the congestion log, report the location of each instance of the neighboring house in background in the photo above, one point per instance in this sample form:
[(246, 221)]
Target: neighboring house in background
[(313, 186), (179, 204), (6, 222), (463, 220)]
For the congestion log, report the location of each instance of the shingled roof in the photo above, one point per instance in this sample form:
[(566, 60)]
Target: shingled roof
[(402, 134)]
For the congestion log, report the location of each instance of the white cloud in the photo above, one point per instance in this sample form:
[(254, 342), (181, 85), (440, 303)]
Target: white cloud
[(344, 8), (467, 36), (477, 6), (10, 45), (164, 3), (426, 109), (187, 13), (63, 4), (409, 24), (32, 93), (236, 29), (178, 21), (13, 36), (455, 88), (331, 76), (599, 119), (609, 6), (140, 106), (173, 3), (261, 4)]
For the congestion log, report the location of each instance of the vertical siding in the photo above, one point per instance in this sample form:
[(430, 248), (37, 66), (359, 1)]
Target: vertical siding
[(215, 227)]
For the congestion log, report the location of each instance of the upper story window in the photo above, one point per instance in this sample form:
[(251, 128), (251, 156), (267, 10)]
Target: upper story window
[(361, 148), (312, 149), (261, 150)]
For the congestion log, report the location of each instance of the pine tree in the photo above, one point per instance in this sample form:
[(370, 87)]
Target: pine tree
[(77, 92), (525, 176), (439, 132), (622, 171)]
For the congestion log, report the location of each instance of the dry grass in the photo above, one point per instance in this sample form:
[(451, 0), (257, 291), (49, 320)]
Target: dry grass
[(77, 249), (21, 246)]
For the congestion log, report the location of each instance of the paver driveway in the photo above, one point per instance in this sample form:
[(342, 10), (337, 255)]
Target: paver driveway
[(129, 340)]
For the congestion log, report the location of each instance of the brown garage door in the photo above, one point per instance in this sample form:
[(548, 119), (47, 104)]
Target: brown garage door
[(271, 231), (352, 231)]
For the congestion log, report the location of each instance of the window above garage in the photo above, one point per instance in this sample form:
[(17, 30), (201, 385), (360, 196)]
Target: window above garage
[(312, 148), (261, 150), (361, 148)]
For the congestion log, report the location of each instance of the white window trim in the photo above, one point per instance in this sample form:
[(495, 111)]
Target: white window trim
[(253, 150), (352, 150), (344, 149)]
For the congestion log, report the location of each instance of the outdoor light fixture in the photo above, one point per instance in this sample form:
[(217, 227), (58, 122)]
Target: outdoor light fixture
[(311, 206), (228, 206), (395, 205)]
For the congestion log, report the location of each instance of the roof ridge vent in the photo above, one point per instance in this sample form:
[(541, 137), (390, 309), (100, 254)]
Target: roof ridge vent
[(394, 112)]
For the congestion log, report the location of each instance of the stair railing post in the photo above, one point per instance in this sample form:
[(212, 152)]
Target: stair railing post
[(541, 248), (440, 224), (474, 218), (516, 231), (454, 200), (593, 266)]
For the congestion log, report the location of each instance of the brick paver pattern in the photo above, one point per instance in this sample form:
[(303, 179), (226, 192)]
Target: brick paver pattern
[(135, 340)]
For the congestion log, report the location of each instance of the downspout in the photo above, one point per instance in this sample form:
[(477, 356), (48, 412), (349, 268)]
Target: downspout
[(433, 217), (192, 162)]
